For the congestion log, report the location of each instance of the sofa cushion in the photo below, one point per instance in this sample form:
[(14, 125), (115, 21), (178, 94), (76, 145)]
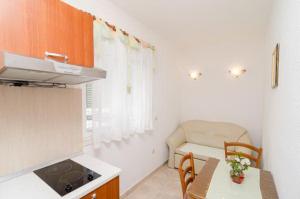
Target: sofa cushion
[(201, 152), (212, 134), (199, 164)]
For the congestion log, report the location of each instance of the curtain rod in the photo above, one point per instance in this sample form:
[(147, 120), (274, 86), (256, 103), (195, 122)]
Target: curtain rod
[(114, 28)]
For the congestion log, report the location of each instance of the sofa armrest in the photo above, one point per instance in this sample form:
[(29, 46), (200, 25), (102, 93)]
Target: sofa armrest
[(176, 139), (244, 139)]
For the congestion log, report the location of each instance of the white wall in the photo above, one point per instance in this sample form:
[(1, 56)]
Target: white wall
[(281, 135), (140, 155), (216, 95)]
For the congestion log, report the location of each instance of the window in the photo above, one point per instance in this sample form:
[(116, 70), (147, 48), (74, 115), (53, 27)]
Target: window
[(89, 101), (121, 104)]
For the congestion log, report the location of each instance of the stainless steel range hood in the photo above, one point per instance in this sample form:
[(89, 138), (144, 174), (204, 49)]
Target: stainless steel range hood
[(17, 68)]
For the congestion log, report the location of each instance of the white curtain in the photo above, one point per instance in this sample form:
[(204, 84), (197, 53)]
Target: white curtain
[(121, 103), (141, 62)]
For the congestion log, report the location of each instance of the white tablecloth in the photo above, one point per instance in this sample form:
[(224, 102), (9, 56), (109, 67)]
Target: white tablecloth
[(222, 187)]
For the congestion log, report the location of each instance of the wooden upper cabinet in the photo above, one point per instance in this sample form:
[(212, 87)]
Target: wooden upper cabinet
[(33, 27)]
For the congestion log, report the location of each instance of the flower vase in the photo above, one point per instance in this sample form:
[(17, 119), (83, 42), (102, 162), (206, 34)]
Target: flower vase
[(238, 179)]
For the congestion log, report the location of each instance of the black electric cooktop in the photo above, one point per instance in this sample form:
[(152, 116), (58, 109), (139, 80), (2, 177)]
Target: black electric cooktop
[(66, 176)]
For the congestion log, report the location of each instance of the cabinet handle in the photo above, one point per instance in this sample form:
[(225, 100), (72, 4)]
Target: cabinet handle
[(49, 54), (94, 196)]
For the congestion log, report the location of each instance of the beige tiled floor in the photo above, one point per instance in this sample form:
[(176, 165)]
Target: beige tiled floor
[(163, 184)]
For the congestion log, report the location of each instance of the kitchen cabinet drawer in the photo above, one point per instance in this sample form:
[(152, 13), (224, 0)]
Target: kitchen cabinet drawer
[(34, 27), (110, 190)]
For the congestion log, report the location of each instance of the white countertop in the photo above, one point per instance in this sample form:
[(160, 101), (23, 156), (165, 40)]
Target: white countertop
[(30, 186)]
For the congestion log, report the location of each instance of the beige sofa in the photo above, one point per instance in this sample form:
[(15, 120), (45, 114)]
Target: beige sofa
[(204, 139)]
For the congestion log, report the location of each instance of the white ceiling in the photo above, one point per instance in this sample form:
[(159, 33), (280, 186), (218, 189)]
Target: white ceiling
[(182, 21)]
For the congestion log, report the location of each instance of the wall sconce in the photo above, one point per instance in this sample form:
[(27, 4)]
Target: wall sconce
[(237, 71), (195, 75)]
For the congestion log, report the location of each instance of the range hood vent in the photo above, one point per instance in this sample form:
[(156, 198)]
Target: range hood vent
[(17, 68)]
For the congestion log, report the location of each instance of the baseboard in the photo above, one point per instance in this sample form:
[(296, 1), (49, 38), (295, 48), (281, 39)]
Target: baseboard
[(130, 190)]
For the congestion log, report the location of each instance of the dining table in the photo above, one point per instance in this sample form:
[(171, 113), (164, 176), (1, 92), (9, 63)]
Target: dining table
[(214, 182)]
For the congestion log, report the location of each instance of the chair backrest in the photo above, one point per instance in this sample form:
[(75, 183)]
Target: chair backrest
[(190, 169), (256, 159)]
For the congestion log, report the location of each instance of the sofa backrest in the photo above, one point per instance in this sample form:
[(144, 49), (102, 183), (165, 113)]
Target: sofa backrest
[(212, 134)]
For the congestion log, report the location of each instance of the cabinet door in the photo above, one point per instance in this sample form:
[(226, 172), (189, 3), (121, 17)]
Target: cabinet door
[(16, 31), (32, 27), (70, 33), (110, 190)]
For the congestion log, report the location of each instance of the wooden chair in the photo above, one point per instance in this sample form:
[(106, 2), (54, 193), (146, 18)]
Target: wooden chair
[(190, 169), (256, 159)]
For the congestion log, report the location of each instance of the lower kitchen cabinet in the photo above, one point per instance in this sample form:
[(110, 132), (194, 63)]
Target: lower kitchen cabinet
[(110, 190)]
